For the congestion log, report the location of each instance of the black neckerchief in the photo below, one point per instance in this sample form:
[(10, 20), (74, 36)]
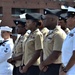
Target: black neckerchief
[(3, 42)]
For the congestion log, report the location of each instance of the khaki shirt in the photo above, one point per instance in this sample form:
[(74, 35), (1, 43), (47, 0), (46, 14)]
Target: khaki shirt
[(67, 30), (53, 42), (33, 43), (18, 48), (45, 31)]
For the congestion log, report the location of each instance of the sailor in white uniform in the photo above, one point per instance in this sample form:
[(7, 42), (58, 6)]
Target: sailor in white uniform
[(6, 51), (68, 48)]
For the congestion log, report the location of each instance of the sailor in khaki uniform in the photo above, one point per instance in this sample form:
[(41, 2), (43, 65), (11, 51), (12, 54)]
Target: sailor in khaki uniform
[(33, 45), (62, 22), (52, 52), (62, 17), (68, 48), (18, 48), (42, 27), (6, 51), (44, 30)]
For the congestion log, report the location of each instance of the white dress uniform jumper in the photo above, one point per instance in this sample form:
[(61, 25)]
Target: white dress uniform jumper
[(5, 53)]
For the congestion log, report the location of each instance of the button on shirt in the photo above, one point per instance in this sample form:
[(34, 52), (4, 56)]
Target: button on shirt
[(6, 53), (67, 50)]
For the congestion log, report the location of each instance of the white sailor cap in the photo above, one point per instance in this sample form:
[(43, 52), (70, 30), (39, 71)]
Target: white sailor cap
[(23, 15), (71, 9), (64, 7), (6, 28), (71, 12)]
